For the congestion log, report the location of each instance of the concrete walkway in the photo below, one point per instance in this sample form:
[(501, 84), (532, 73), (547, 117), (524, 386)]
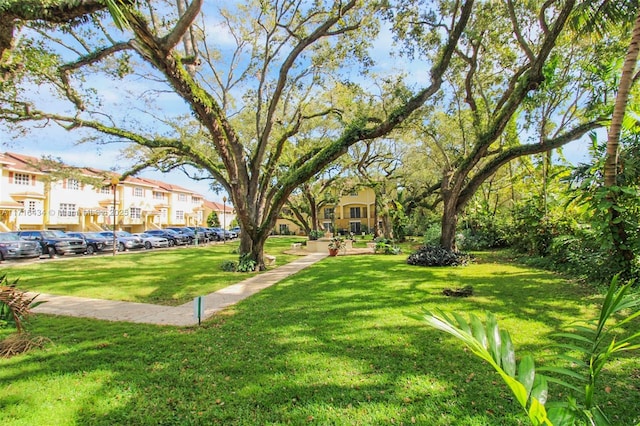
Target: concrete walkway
[(182, 315)]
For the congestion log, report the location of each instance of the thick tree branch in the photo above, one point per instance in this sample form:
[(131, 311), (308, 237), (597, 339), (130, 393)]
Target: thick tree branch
[(357, 131), (65, 70), (519, 151), (182, 26)]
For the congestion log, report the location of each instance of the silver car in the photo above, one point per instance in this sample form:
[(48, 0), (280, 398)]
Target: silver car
[(151, 241), (14, 247)]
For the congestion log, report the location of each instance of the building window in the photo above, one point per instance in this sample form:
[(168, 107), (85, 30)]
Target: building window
[(284, 229), (328, 212), (196, 200), (182, 197), (354, 213), (67, 210), (21, 179), (106, 190), (73, 184), (157, 195), (135, 212), (354, 193), (179, 214), (163, 215), (138, 192), (31, 208)]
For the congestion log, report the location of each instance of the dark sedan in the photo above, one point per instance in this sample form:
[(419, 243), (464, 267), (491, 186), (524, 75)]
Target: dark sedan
[(183, 230), (95, 242), (14, 247), (55, 243)]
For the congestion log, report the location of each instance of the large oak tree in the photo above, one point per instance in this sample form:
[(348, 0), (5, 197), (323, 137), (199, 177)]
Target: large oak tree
[(266, 62)]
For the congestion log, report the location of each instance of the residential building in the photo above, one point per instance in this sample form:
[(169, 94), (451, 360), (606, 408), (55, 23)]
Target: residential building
[(226, 213), (353, 213), (41, 194)]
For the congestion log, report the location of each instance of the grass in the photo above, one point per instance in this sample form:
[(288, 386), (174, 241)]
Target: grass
[(329, 346), (163, 277)]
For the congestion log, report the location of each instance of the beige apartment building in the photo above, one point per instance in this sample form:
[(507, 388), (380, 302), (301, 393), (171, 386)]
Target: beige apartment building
[(354, 213), (34, 196)]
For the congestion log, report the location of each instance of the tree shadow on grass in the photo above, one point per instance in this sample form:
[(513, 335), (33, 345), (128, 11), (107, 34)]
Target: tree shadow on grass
[(330, 345)]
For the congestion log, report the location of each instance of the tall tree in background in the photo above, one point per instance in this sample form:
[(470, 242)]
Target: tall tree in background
[(275, 61), (511, 60)]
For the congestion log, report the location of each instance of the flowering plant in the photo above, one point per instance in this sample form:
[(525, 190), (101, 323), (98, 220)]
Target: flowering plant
[(337, 243)]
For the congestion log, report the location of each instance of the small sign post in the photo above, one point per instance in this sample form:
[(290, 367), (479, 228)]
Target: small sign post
[(198, 308)]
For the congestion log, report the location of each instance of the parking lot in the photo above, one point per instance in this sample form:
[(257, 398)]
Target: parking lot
[(43, 245)]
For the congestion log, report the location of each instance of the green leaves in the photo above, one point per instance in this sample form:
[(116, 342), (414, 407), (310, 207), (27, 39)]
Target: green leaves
[(493, 345), (115, 9)]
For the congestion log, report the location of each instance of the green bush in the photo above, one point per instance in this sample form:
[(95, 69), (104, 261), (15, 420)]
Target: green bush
[(431, 235), (246, 264), (315, 234), (484, 231), (437, 256), (386, 247), (229, 266)]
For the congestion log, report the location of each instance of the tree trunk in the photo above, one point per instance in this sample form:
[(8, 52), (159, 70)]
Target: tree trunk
[(616, 226), (253, 247), (449, 222), (626, 80)]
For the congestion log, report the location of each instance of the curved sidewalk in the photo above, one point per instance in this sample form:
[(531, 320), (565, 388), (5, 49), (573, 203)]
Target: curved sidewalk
[(182, 315)]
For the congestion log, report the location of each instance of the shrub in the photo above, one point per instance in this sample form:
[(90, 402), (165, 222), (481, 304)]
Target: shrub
[(229, 266), (432, 235), (246, 264), (437, 256), (386, 247), (482, 230), (315, 234)]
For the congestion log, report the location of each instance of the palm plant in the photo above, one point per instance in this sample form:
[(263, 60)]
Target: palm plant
[(590, 346), (15, 304)]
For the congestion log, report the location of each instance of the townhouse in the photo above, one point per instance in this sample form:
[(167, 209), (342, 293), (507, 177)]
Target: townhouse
[(43, 194)]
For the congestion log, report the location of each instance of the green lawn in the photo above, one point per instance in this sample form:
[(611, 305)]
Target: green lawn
[(163, 277), (329, 346)]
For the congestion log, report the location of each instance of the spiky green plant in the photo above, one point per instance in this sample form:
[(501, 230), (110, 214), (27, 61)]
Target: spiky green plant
[(15, 305), (594, 341)]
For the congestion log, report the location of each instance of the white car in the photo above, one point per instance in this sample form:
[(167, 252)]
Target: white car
[(151, 241)]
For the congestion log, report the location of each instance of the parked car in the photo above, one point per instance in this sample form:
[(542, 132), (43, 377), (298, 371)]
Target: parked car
[(184, 231), (235, 230), (218, 234), (125, 240), (174, 238), (55, 243), (14, 247), (203, 234), (152, 241), (95, 242), (223, 234)]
